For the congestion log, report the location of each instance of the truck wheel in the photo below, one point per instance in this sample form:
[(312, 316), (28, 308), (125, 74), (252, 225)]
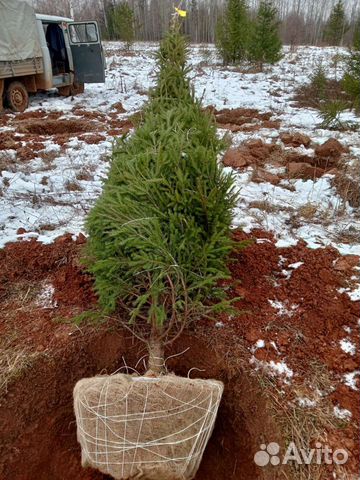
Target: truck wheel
[(17, 97), (77, 88), (71, 90), (64, 91)]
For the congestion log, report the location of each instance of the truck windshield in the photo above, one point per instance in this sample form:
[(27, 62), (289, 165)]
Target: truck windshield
[(83, 33)]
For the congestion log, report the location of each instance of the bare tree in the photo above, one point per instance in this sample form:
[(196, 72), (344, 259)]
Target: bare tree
[(303, 21)]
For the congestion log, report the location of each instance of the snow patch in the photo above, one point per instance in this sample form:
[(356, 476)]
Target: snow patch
[(306, 402), (283, 309), (259, 344), (350, 379), (45, 298), (347, 346), (273, 368), (296, 265), (342, 413)]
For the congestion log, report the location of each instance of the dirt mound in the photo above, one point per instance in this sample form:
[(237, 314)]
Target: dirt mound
[(303, 169), (243, 119), (331, 149), (7, 141), (32, 129), (52, 127), (118, 106), (326, 159), (26, 148), (32, 261), (258, 154), (37, 114), (92, 139), (253, 152), (239, 116), (296, 308), (295, 139), (89, 114)]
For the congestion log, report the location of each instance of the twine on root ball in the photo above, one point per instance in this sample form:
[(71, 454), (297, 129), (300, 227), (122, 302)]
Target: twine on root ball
[(145, 427)]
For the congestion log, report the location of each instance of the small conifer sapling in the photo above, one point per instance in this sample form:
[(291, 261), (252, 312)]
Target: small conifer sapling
[(159, 235)]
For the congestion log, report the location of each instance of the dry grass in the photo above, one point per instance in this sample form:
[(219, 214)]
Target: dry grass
[(14, 362), (301, 425), (48, 156), (21, 291), (16, 359), (347, 184), (278, 156), (84, 174), (8, 161), (308, 96), (73, 186), (264, 205), (298, 424), (308, 211), (348, 236), (296, 333)]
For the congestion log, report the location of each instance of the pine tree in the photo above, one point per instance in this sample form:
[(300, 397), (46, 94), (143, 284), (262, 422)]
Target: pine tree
[(159, 234), (336, 26), (233, 32), (266, 44), (121, 23)]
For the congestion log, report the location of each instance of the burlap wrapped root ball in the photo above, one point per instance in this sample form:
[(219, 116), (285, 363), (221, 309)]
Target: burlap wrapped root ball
[(144, 427)]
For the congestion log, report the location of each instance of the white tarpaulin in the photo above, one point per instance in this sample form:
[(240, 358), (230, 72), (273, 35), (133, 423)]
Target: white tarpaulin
[(19, 38)]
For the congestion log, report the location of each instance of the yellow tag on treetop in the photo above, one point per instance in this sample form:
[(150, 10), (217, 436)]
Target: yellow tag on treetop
[(182, 13)]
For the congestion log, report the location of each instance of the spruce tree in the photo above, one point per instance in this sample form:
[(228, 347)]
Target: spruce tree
[(266, 44), (356, 35), (159, 235), (336, 26), (121, 23), (233, 32), (351, 80)]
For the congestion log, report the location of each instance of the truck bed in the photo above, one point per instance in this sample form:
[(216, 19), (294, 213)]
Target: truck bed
[(20, 68)]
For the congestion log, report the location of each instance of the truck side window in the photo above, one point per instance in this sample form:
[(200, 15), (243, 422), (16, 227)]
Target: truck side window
[(83, 33)]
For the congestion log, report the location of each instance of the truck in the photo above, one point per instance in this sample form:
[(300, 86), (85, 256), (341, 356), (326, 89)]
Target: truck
[(42, 52)]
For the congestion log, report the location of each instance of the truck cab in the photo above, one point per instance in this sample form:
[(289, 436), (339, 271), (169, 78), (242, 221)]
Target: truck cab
[(72, 53), (64, 55)]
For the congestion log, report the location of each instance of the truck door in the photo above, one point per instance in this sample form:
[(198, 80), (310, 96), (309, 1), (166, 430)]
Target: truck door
[(87, 52)]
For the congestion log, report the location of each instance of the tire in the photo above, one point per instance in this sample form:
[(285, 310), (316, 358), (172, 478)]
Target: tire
[(17, 97), (71, 90), (77, 88), (64, 91)]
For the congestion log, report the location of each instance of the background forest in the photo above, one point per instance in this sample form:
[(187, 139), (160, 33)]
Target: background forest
[(303, 22)]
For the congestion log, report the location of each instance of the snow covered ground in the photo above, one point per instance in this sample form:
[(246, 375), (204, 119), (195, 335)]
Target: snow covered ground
[(49, 180), (50, 194)]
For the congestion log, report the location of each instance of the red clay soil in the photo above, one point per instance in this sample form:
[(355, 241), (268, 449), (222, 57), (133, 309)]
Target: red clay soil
[(256, 153), (243, 119), (32, 129), (38, 434)]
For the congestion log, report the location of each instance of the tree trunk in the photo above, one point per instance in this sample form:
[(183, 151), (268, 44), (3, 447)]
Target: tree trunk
[(156, 357), (156, 363)]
